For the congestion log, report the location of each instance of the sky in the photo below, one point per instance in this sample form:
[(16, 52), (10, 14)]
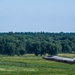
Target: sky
[(37, 15)]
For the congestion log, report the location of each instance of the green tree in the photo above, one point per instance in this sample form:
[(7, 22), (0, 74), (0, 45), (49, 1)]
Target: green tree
[(73, 49), (43, 48), (52, 49), (36, 48)]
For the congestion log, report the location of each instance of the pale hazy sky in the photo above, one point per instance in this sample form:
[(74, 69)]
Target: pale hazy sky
[(37, 15)]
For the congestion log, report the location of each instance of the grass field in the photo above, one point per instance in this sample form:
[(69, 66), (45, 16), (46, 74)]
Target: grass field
[(33, 65)]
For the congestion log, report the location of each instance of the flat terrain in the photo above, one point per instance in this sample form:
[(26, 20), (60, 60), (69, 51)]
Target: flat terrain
[(33, 65)]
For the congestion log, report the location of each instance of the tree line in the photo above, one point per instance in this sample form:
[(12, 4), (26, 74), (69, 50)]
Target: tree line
[(38, 43)]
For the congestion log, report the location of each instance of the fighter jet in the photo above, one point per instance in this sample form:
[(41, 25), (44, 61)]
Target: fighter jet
[(60, 59)]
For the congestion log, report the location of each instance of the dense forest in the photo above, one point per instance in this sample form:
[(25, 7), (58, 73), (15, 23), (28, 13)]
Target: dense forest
[(38, 43)]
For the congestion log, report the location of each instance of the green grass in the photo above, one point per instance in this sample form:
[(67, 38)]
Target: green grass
[(33, 65)]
